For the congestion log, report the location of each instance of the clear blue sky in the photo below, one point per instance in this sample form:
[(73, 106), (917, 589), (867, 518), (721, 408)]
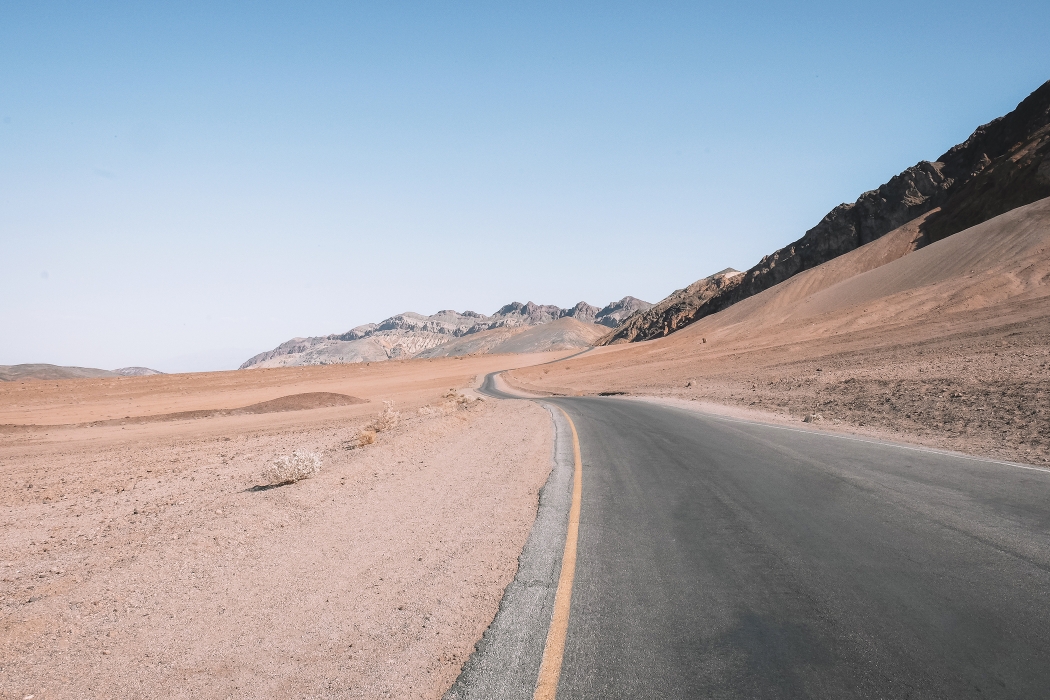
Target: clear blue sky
[(184, 185)]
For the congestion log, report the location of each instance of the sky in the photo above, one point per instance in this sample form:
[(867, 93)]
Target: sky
[(184, 185)]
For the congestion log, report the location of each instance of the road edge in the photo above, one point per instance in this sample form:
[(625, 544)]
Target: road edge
[(506, 660)]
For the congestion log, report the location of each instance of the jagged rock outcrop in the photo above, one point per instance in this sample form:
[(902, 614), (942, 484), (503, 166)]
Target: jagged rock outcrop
[(615, 313), (673, 312), (1003, 165), (583, 312), (414, 335)]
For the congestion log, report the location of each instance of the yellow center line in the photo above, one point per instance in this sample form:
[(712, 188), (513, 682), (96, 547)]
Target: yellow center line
[(550, 667)]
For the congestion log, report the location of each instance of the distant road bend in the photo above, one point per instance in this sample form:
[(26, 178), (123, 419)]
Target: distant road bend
[(727, 559)]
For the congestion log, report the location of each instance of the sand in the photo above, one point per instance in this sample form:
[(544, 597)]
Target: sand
[(144, 559), (947, 346), (560, 334)]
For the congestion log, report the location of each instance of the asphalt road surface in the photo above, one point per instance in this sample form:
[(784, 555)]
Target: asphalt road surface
[(728, 559)]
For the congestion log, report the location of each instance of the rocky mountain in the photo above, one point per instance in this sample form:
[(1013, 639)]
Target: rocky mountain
[(672, 313), (1003, 165), (413, 335), (614, 314)]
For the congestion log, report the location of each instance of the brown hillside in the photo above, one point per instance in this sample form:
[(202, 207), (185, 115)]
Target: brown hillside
[(14, 373), (1003, 165), (562, 334), (948, 345)]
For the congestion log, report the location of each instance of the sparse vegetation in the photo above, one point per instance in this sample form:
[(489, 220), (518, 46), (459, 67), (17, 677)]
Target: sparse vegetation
[(289, 469), (386, 420), (453, 401), (461, 400)]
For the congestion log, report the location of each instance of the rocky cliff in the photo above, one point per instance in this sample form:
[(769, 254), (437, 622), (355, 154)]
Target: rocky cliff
[(674, 311), (1003, 165)]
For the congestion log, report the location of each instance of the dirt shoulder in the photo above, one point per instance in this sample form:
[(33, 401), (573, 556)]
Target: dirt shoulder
[(141, 561)]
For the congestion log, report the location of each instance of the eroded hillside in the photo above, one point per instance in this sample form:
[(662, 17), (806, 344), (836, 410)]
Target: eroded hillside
[(948, 345), (451, 333), (1003, 165)]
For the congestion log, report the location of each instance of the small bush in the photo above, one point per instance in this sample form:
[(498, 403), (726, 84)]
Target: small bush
[(291, 468), (455, 400), (386, 420), (366, 437), (452, 402)]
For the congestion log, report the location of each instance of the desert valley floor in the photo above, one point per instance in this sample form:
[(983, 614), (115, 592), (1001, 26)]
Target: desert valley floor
[(140, 558)]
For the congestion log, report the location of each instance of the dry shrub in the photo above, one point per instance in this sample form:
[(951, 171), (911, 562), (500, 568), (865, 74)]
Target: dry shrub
[(386, 420), (453, 401), (291, 468)]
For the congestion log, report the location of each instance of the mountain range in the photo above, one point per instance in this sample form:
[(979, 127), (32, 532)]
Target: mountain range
[(1003, 165), (515, 327)]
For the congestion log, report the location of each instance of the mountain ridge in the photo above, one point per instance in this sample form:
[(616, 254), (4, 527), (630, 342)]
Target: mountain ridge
[(410, 334), (1004, 164)]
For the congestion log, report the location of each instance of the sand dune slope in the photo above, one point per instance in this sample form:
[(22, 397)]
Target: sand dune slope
[(563, 334), (948, 344), (999, 261)]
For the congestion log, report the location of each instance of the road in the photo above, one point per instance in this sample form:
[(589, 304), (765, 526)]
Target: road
[(728, 559)]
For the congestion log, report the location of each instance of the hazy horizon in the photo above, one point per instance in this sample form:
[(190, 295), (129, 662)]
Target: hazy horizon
[(187, 186)]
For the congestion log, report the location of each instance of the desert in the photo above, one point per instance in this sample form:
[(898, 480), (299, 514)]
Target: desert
[(303, 393), (947, 345), (143, 555), (347, 515)]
